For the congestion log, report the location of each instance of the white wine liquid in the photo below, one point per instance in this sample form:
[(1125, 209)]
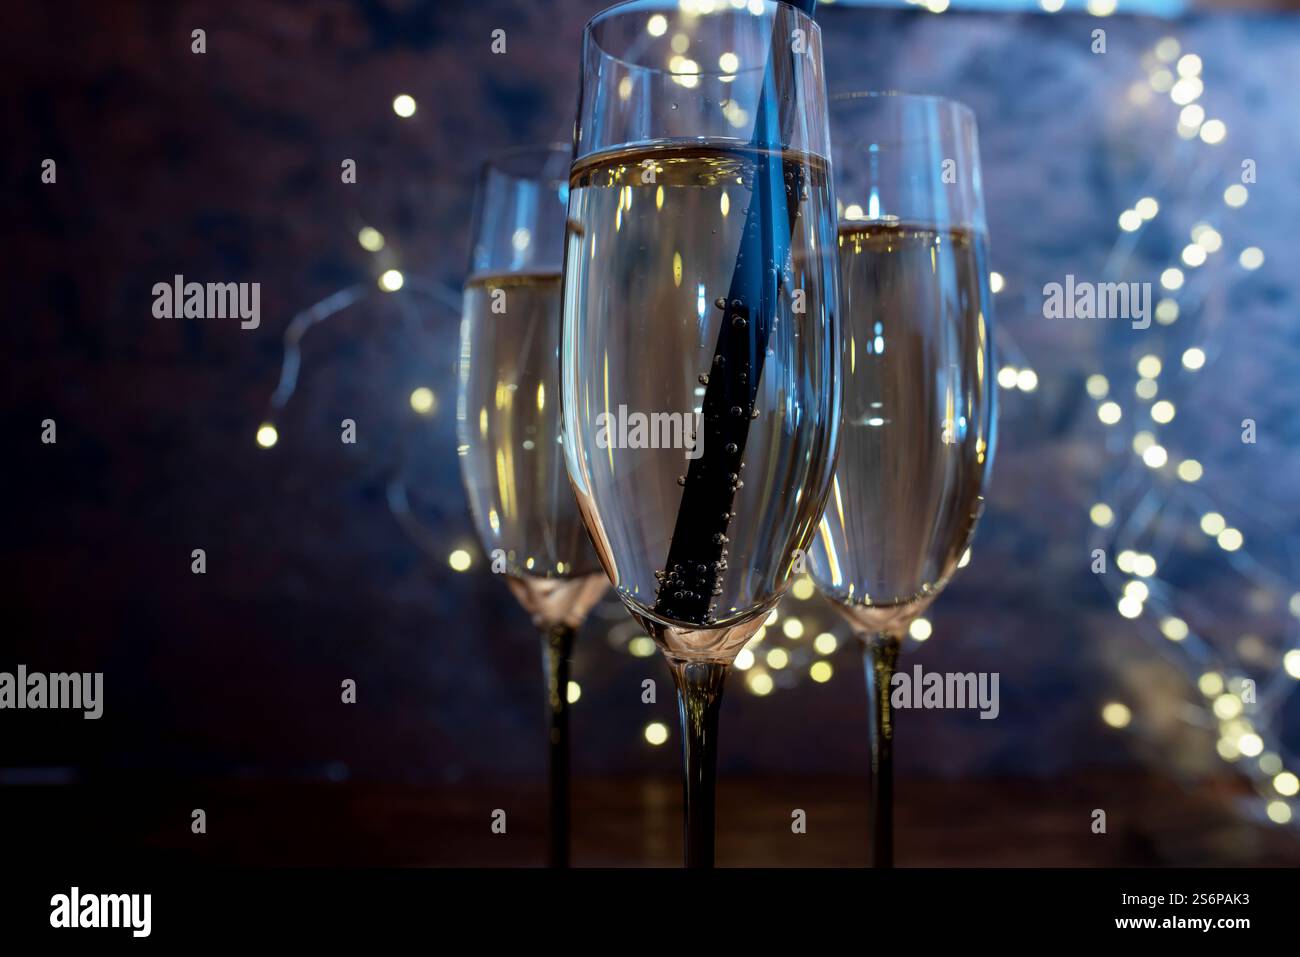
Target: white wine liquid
[(512, 462), (918, 406), (657, 324)]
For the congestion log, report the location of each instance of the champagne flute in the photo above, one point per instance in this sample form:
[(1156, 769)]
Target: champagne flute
[(508, 425), (700, 355), (918, 394)]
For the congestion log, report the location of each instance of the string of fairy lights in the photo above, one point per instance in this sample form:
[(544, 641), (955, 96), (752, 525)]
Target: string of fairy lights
[(1164, 485), (799, 638)]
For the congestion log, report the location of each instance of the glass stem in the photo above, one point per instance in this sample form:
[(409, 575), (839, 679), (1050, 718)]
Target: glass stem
[(557, 648), (699, 699), (880, 655)]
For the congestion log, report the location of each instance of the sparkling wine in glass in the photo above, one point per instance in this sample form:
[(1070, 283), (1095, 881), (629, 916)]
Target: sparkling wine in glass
[(918, 390), (508, 425), (701, 344)]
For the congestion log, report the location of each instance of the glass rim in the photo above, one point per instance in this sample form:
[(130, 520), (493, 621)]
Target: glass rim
[(498, 161), (623, 7), (903, 96)]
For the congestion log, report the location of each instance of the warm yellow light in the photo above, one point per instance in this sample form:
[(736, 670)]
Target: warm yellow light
[(792, 627), (1143, 441), (1236, 195), (1129, 607), (1130, 220), (1166, 312), (1116, 715), (391, 280), (1291, 663), (1279, 812), (1210, 683), (641, 646), (1144, 566), (1189, 470), (1097, 386), (404, 105), (267, 435), (1186, 90), (1101, 8), (574, 692), (820, 672), (1008, 376), (657, 25), (1252, 257), (802, 589), (656, 733), (1146, 388), (1214, 131), (1175, 629), (1250, 745), (729, 62), (1167, 49), (1102, 515), (1193, 255), (1192, 115), (1155, 457), (1209, 239), (825, 643), (1193, 358), (745, 660), (996, 282), (777, 658), (1146, 207), (920, 630), (1027, 380), (1109, 412), (1286, 784), (422, 400), (1230, 539), (1172, 278), (1226, 707), (1212, 523), (459, 560), (1149, 366), (759, 683), (1163, 411), (371, 239), (1137, 590), (1126, 560)]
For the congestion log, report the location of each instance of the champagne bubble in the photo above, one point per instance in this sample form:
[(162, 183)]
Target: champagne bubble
[(704, 378), (732, 448)]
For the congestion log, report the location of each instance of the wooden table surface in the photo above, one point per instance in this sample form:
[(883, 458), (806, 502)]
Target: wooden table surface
[(635, 821)]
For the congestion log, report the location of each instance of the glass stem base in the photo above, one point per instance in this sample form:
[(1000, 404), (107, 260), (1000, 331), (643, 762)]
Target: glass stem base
[(880, 656), (557, 649), (699, 699)]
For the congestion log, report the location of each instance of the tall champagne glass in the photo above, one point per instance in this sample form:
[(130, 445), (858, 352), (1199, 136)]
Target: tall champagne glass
[(701, 343), (508, 425), (918, 392)]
